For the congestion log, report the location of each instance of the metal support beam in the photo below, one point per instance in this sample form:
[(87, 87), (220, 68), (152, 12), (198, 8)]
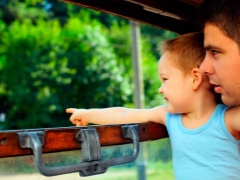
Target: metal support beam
[(138, 91)]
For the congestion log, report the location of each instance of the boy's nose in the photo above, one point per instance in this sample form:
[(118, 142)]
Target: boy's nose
[(160, 90)]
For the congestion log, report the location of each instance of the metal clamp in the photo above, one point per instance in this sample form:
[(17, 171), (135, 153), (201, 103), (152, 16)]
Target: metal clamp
[(91, 152)]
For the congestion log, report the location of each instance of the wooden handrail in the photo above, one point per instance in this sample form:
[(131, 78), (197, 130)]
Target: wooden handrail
[(63, 139)]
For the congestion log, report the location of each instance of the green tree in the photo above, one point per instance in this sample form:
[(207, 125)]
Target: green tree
[(11, 10), (48, 68)]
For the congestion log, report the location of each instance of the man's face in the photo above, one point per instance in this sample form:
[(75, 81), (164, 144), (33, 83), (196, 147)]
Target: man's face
[(222, 64)]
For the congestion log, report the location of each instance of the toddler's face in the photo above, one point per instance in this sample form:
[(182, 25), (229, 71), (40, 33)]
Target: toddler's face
[(175, 86)]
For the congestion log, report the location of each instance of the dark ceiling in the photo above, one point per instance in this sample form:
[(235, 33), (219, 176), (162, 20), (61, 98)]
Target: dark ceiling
[(175, 15)]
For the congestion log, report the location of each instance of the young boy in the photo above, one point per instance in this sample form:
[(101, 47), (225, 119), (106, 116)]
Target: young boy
[(203, 143)]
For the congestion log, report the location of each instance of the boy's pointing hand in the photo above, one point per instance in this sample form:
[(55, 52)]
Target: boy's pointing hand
[(77, 116)]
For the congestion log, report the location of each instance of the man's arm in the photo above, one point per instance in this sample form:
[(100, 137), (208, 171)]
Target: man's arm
[(232, 120)]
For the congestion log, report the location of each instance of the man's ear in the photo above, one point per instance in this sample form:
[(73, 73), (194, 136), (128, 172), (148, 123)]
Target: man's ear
[(197, 78)]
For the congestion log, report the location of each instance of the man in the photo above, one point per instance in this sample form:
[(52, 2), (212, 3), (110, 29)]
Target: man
[(221, 22)]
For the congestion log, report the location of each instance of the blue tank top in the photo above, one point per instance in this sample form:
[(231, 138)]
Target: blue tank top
[(209, 152)]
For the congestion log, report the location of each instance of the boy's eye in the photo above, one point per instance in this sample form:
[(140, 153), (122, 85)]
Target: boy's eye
[(164, 79)]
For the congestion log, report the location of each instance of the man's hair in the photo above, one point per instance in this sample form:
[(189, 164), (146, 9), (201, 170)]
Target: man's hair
[(225, 14), (186, 51)]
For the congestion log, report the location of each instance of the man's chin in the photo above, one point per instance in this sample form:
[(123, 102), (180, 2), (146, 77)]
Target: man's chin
[(229, 101)]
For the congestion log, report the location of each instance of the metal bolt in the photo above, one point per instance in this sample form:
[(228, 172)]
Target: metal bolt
[(95, 167), (4, 141), (23, 142), (78, 136)]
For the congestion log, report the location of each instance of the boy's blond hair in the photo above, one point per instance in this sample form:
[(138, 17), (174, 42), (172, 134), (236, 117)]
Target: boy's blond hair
[(186, 51)]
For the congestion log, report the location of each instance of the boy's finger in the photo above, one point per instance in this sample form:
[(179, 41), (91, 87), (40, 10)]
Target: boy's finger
[(78, 123), (70, 110), (73, 119), (73, 122)]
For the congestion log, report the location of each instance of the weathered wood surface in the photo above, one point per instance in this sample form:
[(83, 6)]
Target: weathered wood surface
[(178, 16), (63, 139)]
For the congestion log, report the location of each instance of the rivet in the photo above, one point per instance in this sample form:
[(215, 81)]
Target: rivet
[(4, 141)]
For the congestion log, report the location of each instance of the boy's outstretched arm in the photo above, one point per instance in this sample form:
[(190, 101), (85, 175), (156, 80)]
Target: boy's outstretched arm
[(117, 115)]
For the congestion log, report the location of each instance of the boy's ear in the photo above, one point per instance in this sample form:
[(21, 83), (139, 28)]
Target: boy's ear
[(197, 78)]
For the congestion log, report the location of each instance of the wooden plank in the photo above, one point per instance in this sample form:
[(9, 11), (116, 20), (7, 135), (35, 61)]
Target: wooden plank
[(63, 139), (140, 12)]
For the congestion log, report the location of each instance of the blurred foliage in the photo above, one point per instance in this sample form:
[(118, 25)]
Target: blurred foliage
[(48, 68), (11, 10)]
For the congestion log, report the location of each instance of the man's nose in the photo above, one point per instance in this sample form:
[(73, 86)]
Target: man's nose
[(206, 66)]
